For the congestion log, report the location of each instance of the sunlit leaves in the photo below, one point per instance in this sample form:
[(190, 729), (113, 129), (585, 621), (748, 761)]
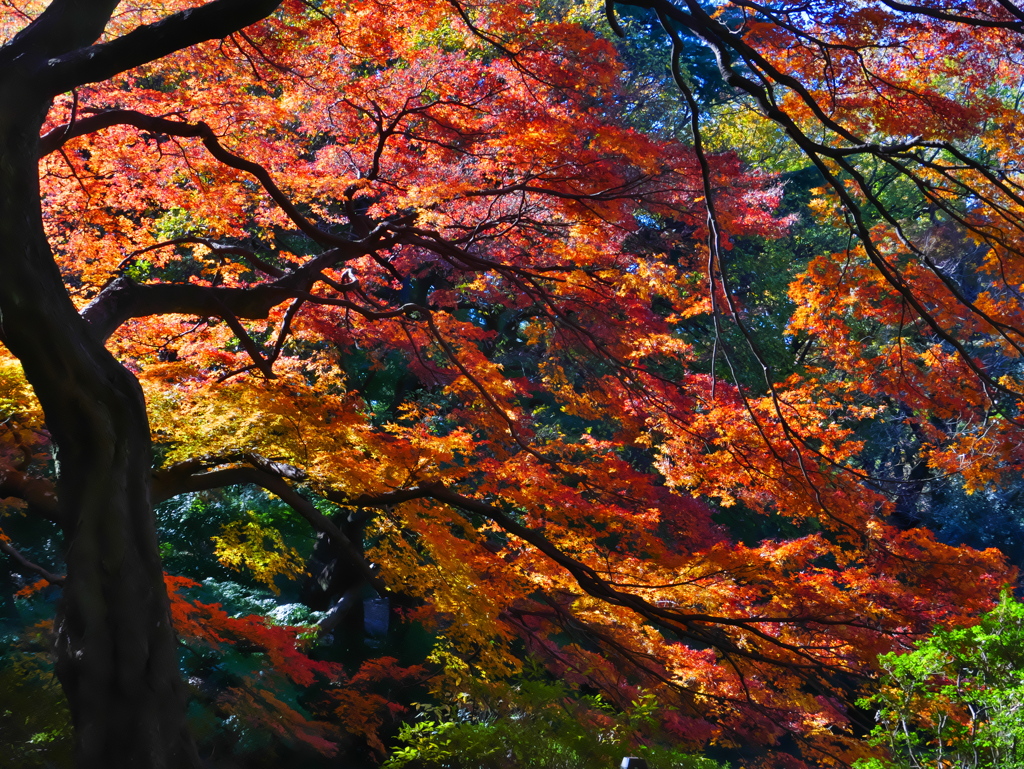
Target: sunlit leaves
[(524, 303), (956, 698), (259, 549)]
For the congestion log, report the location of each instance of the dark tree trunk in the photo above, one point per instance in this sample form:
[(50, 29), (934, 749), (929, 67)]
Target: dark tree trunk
[(116, 649)]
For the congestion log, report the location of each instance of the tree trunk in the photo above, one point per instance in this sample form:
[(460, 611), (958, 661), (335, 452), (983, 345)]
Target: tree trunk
[(116, 649)]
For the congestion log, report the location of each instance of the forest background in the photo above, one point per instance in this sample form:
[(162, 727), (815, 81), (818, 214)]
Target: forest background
[(488, 384)]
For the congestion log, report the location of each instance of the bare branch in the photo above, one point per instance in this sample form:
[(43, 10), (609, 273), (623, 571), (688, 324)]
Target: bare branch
[(59, 71), (972, 21), (27, 565), (123, 298), (64, 26)]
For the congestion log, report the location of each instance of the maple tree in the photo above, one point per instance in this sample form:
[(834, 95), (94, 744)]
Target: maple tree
[(410, 269)]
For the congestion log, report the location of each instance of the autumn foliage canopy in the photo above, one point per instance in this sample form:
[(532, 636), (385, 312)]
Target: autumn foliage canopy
[(431, 276)]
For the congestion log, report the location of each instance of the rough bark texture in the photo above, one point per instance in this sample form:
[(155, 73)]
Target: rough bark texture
[(117, 653), (117, 656)]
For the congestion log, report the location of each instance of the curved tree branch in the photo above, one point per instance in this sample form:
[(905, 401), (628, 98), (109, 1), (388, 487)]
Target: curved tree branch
[(63, 26), (54, 139), (28, 566), (61, 71), (703, 628), (124, 298), (206, 473), (726, 45)]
